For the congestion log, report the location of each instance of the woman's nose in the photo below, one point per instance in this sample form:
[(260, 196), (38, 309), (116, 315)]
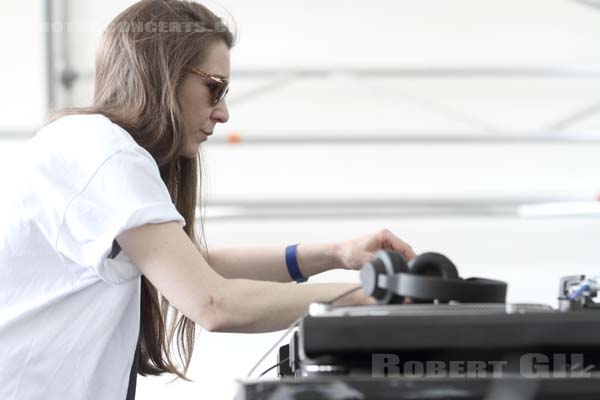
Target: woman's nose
[(221, 112)]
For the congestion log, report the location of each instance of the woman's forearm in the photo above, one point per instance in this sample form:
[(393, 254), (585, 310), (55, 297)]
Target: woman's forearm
[(256, 306), (268, 263)]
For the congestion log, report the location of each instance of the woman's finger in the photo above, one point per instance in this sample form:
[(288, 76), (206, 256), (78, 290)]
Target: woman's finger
[(397, 244)]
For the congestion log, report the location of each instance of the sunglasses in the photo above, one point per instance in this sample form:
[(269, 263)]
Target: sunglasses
[(219, 86)]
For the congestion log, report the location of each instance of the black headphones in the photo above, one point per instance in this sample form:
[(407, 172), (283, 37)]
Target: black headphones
[(389, 278)]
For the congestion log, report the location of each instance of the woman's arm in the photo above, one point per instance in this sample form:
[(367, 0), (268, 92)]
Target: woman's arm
[(173, 264), (268, 263)]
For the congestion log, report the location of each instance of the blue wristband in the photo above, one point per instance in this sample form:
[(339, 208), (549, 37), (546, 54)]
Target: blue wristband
[(291, 260)]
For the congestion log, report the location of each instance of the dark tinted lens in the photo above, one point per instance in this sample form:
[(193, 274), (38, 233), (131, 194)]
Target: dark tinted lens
[(223, 90), (218, 90), (213, 88)]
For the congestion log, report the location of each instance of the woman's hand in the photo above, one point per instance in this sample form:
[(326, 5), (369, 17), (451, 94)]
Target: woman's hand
[(358, 298), (353, 254)]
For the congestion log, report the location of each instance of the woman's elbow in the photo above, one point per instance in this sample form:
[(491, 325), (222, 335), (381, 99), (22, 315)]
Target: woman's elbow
[(213, 317), (210, 325), (215, 325)]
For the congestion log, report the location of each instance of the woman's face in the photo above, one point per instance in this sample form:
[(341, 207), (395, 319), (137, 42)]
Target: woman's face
[(195, 99)]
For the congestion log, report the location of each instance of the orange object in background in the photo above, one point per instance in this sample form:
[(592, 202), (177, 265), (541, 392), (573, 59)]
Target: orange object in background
[(234, 137)]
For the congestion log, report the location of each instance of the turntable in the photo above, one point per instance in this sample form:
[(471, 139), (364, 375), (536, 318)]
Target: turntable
[(436, 335)]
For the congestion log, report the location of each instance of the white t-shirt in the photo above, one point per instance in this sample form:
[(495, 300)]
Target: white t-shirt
[(69, 316)]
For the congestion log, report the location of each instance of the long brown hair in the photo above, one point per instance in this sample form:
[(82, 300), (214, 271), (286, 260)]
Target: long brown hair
[(140, 64)]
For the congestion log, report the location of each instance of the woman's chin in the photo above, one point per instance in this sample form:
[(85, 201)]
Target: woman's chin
[(192, 151)]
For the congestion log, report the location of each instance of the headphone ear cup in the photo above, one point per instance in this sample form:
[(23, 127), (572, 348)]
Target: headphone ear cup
[(383, 263), (369, 275), (398, 265), (434, 265)]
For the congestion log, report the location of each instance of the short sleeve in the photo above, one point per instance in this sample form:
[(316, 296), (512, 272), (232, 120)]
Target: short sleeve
[(126, 191)]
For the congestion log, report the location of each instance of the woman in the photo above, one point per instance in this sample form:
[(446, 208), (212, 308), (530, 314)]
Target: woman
[(100, 242)]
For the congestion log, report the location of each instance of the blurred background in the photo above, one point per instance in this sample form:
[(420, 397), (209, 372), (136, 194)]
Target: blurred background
[(467, 127)]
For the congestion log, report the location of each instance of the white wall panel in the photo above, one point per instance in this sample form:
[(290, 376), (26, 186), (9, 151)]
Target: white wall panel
[(424, 32), (372, 172)]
